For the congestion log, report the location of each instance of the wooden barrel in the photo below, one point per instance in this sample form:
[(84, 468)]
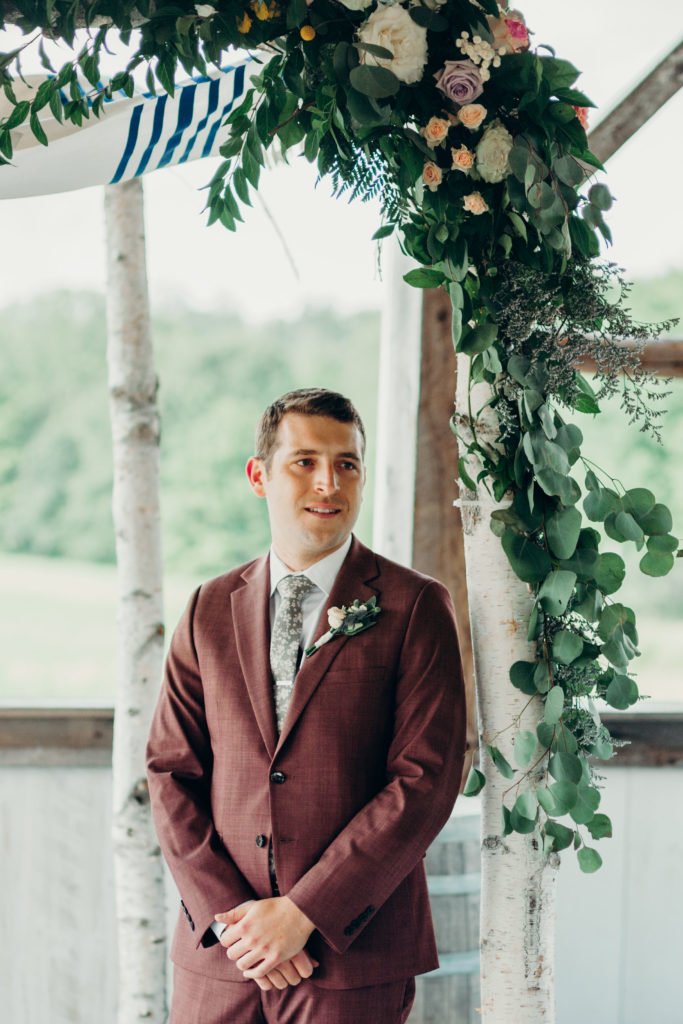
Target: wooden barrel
[(450, 995)]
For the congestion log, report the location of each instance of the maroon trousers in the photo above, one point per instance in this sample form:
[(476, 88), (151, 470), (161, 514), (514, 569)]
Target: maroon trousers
[(201, 1000)]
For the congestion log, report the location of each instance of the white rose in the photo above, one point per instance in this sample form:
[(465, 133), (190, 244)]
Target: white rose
[(493, 152), (205, 10), (395, 30), (335, 617), (355, 5)]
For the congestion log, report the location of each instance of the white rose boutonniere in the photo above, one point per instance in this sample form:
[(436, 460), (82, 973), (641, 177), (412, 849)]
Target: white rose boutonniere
[(347, 621)]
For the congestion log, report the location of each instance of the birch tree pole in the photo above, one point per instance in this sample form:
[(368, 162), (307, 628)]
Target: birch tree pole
[(135, 433), (517, 877)]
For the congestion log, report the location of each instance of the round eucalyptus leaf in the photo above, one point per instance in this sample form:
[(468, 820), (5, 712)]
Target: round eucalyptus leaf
[(589, 860), (587, 803), (500, 761), (570, 438), (622, 692), (662, 544), (554, 705), (658, 521), (562, 835), (565, 767), (547, 801), (638, 501), (546, 734), (378, 83), (520, 823), (518, 367), (600, 502), (592, 482), (562, 529), (567, 647), (556, 590), (628, 528), (600, 196), (525, 746), (602, 749), (655, 563), (565, 795), (542, 677), (475, 783), (565, 487), (600, 826), (609, 572), (530, 562), (522, 676)]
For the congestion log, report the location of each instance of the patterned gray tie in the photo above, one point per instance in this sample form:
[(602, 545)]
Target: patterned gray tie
[(285, 639)]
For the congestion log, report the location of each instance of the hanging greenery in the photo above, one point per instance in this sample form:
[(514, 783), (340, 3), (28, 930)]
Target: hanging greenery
[(474, 142)]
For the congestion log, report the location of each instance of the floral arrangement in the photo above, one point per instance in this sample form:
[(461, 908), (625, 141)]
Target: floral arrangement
[(474, 141), (347, 621)]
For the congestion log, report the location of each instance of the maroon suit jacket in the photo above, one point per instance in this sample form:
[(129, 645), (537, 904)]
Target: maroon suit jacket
[(362, 778)]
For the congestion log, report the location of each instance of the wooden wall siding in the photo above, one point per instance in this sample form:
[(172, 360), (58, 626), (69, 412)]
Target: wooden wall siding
[(437, 527), (58, 963)]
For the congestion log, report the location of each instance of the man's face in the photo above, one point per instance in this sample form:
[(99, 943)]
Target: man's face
[(313, 487)]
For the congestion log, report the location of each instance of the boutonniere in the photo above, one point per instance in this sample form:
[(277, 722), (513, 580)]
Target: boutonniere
[(348, 621)]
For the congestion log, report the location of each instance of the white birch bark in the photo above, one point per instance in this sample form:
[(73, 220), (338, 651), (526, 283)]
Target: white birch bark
[(135, 432), (517, 878)]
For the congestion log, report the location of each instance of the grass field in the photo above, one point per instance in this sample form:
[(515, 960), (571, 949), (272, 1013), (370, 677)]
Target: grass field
[(58, 633)]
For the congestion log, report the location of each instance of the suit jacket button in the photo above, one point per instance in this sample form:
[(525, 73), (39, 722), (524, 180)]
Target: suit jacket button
[(277, 777), (261, 840)]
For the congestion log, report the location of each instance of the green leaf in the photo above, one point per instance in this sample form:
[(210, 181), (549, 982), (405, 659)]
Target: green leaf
[(600, 196), (586, 805), (554, 482), (530, 562), (656, 563), (518, 367), (567, 647), (525, 745), (542, 676), (464, 475), (628, 528), (18, 115), (556, 590), (37, 129), (565, 767), (658, 521), (559, 74), (601, 502), (562, 835), (500, 761), (609, 572), (424, 278), (554, 705), (546, 734), (562, 530), (589, 860), (384, 232), (547, 800), (569, 170), (600, 826), (478, 339), (522, 676), (622, 692), (638, 501), (376, 82), (475, 783)]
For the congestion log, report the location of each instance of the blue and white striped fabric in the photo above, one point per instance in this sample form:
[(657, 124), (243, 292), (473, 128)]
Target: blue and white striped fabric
[(134, 135)]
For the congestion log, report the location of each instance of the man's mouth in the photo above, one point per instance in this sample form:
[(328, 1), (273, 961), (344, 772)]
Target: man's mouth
[(323, 510)]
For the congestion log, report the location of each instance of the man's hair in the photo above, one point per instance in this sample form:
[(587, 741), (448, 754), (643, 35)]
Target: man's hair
[(309, 402)]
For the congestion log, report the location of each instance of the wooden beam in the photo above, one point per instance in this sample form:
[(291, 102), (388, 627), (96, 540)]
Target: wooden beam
[(642, 102), (437, 527), (664, 358)]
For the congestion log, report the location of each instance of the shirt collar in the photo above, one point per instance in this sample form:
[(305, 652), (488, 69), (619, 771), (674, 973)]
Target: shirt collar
[(323, 573)]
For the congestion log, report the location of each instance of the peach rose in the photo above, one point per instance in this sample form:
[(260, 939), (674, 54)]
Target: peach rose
[(463, 159), (475, 203), (435, 131), (432, 175), (582, 114), (472, 115)]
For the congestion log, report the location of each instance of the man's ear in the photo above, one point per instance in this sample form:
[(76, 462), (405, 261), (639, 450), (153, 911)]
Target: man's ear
[(256, 473)]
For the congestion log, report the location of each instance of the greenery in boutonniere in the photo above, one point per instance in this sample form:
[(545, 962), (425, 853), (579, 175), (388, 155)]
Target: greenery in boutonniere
[(474, 142), (347, 621)]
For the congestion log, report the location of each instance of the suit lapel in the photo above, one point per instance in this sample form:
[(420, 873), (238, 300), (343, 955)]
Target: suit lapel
[(358, 569), (251, 617)]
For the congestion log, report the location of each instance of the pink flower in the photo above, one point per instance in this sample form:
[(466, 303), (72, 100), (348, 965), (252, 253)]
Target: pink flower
[(509, 32), (582, 114), (460, 80)]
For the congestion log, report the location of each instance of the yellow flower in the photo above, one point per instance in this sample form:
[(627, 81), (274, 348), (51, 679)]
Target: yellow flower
[(263, 10), (244, 23), (307, 33)]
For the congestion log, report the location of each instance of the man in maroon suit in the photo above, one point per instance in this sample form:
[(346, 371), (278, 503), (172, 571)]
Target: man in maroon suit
[(295, 795)]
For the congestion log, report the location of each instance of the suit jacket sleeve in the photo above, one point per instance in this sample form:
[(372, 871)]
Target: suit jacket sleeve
[(387, 838), (179, 763)]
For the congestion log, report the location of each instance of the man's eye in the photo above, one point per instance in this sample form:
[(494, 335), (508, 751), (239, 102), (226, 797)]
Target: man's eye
[(304, 462), (349, 465)]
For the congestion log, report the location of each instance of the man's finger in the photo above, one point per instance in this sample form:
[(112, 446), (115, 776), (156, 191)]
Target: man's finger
[(248, 959), (277, 977), (290, 972), (264, 984), (304, 964)]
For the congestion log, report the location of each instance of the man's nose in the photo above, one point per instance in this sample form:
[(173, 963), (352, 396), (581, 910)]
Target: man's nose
[(326, 479)]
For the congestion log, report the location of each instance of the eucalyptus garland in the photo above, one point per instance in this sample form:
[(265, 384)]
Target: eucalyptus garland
[(474, 142)]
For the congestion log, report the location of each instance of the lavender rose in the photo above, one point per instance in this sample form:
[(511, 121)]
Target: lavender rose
[(460, 80)]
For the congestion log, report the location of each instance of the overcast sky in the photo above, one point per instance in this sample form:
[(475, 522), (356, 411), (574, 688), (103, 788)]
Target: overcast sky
[(58, 241)]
